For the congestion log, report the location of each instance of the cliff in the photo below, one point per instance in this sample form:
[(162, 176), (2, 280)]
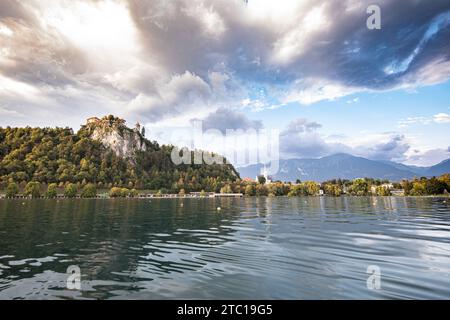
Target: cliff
[(114, 134)]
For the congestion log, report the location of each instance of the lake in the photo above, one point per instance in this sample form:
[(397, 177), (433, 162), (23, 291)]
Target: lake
[(253, 248)]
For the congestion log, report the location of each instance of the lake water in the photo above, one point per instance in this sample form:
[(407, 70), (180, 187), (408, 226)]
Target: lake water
[(253, 248)]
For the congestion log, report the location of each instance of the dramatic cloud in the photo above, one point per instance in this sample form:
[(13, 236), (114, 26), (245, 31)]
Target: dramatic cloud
[(160, 59), (301, 139)]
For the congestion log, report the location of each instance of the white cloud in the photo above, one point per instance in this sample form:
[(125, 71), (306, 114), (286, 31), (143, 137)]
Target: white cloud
[(439, 118), (442, 118)]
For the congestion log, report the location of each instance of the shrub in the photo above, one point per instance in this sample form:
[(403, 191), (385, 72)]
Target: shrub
[(33, 189), (52, 191), (89, 191), (70, 191), (117, 192), (12, 190), (133, 193)]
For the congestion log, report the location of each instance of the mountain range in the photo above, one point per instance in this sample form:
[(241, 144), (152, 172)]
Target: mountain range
[(345, 166)]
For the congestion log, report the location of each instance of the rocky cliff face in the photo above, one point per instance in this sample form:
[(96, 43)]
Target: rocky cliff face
[(113, 133)]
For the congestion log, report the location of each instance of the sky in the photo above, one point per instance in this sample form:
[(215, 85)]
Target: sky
[(310, 69)]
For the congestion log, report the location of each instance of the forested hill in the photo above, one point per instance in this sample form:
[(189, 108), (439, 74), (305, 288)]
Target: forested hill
[(105, 152)]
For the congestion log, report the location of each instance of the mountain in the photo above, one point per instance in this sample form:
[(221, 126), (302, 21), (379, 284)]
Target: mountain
[(421, 171), (105, 152), (344, 166), (439, 169)]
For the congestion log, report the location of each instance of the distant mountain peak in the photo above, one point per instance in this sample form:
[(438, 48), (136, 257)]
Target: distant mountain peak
[(347, 166)]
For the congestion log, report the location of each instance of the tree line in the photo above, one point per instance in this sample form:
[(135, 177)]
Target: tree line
[(60, 156), (336, 188)]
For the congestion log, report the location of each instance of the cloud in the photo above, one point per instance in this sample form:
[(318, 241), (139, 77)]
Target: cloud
[(442, 118), (428, 157), (302, 139), (391, 147), (439, 118), (225, 119), (159, 60)]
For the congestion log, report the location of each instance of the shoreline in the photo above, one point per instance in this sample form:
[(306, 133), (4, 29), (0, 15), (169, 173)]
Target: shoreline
[(215, 197)]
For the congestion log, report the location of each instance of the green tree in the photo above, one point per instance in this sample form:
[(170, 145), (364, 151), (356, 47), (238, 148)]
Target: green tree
[(359, 187), (52, 191), (249, 190), (383, 191), (12, 190), (226, 189), (133, 193), (89, 191), (33, 189), (261, 179), (334, 190), (312, 188), (115, 192), (70, 191), (418, 189), (261, 190)]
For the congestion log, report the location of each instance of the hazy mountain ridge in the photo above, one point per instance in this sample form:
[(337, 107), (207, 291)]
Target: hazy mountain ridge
[(345, 166)]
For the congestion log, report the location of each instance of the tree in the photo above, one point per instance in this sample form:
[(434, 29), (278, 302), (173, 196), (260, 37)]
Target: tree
[(312, 188), (359, 187), (226, 189), (332, 189), (299, 190), (261, 190), (12, 190), (52, 191), (418, 189), (261, 179), (33, 189), (182, 193), (133, 193), (249, 190), (407, 187), (70, 191), (89, 191), (383, 191), (435, 186), (115, 192)]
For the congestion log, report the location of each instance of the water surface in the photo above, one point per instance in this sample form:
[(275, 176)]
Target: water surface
[(253, 248)]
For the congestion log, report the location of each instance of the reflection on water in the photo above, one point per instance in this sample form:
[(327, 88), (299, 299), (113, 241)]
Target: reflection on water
[(261, 248)]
